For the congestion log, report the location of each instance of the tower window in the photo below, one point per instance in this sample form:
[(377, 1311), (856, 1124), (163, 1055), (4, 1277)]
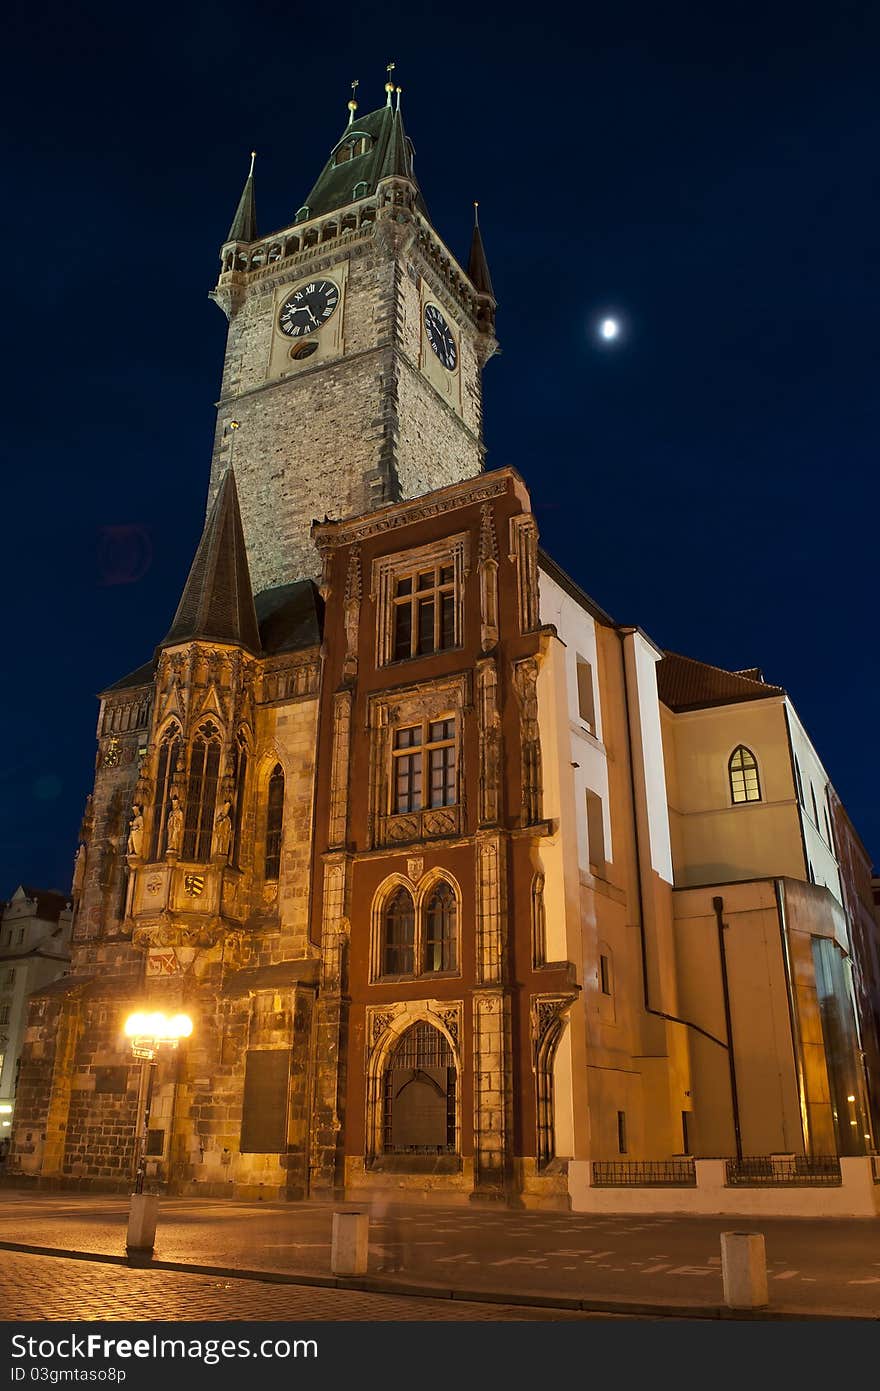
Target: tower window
[(351, 148), (169, 756), (274, 822), (743, 773)]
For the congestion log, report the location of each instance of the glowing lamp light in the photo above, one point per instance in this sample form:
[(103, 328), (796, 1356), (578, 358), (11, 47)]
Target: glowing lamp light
[(5, 1109), (159, 1027)]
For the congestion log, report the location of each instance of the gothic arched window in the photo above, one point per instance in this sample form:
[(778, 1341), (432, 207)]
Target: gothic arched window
[(201, 793), (166, 767), (398, 935), (439, 930), (743, 772), (241, 766), (274, 822), (419, 1094)]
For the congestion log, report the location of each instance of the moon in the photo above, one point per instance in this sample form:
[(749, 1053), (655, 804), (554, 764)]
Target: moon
[(609, 329)]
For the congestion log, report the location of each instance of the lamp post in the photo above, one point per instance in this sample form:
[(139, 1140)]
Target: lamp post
[(148, 1033)]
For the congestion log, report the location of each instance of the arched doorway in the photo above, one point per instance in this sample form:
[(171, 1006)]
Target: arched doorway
[(419, 1094)]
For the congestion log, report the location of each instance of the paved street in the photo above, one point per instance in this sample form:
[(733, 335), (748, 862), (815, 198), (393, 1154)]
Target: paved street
[(44, 1287), (818, 1266)]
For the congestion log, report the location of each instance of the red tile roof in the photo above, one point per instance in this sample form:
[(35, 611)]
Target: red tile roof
[(686, 684)]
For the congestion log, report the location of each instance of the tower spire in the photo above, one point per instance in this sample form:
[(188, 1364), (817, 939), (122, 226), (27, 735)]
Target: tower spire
[(478, 266), (244, 224), (389, 83)]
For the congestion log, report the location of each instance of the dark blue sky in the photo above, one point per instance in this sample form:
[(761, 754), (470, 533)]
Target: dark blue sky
[(710, 172)]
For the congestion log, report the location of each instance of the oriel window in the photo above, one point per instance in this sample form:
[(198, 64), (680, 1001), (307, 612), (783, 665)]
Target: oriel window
[(424, 766), (169, 756), (201, 793), (424, 612)]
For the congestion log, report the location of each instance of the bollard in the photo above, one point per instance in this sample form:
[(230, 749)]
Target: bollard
[(744, 1270), (142, 1217), (350, 1243)]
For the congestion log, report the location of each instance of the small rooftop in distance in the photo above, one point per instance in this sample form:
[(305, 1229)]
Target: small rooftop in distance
[(683, 683)]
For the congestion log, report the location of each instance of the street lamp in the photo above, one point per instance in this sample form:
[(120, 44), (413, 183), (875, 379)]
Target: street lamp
[(148, 1033)]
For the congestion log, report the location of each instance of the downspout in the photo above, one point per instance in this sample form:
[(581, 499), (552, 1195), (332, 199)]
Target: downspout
[(659, 1013), (718, 905)]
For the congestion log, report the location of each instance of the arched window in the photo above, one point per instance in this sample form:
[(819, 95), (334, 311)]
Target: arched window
[(398, 934), (274, 822), (201, 793), (419, 1099), (241, 767), (743, 772), (439, 930), (166, 767), (356, 145)]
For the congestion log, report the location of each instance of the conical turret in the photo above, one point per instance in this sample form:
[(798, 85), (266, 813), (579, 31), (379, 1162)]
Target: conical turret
[(244, 224)]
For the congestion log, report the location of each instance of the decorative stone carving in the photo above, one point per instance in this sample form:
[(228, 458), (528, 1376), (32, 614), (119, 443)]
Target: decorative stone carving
[(492, 1090), (415, 867), (524, 554), (490, 741), (136, 832), (539, 923), (174, 826), (353, 587), (525, 681), (112, 754), (342, 705), (547, 1022), (380, 1020), (488, 572), (79, 873), (491, 908), (222, 837)]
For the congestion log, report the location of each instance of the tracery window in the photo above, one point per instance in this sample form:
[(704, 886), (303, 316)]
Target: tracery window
[(274, 822), (438, 929), (743, 772), (166, 767), (398, 935), (201, 793), (241, 769)]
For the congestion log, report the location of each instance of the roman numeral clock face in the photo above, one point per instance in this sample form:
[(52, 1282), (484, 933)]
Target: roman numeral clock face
[(440, 337), (308, 308)]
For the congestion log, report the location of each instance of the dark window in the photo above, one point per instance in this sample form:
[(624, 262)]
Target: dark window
[(604, 975), (439, 930), (424, 612), (398, 935), (685, 1136), (743, 772), (621, 1132), (586, 703), (412, 745), (111, 1079), (419, 1096), (274, 822), (595, 833), (155, 1143), (264, 1111), (169, 756), (201, 793)]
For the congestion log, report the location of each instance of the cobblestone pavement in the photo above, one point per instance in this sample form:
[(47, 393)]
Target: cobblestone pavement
[(813, 1265), (55, 1289)]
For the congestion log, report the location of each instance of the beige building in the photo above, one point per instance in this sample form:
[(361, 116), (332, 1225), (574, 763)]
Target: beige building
[(34, 950)]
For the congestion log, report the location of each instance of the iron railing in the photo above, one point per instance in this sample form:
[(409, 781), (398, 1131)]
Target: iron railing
[(794, 1170), (644, 1173)]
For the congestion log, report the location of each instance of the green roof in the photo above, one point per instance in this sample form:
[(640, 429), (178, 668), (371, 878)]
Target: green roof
[(390, 153)]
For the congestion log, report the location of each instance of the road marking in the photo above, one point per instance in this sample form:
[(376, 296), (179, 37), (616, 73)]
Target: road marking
[(693, 1270), (784, 1275), (871, 1280), (441, 1260), (520, 1260), (654, 1269)]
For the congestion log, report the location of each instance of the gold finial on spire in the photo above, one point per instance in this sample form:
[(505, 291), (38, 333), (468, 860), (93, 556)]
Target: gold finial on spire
[(352, 105), (476, 213), (398, 90), (251, 170), (389, 85)]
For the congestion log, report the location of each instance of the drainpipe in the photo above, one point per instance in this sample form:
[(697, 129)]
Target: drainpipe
[(718, 905)]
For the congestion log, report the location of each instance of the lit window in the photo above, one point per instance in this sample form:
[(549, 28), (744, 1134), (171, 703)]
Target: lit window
[(399, 931), (416, 783), (274, 821), (201, 793), (424, 612), (743, 771), (438, 930)]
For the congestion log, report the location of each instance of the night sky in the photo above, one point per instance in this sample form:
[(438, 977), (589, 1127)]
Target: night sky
[(707, 172)]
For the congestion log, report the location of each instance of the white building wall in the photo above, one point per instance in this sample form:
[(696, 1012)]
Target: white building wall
[(818, 838), (641, 672)]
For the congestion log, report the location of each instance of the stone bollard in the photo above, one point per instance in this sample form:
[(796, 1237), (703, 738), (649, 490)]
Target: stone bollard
[(142, 1216), (744, 1270), (350, 1243)]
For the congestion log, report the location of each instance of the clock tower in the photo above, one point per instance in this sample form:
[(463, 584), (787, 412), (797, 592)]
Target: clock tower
[(356, 344)]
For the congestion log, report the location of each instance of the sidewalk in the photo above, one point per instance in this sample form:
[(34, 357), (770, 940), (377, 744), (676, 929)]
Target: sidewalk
[(649, 1265)]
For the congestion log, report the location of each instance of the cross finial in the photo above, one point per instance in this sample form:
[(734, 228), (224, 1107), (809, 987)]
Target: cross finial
[(389, 85), (253, 157), (352, 105)]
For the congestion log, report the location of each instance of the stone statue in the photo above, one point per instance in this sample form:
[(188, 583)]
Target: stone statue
[(222, 832), (174, 825), (136, 831), (79, 873)]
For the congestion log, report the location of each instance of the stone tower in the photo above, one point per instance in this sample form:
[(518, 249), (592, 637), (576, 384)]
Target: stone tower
[(352, 375)]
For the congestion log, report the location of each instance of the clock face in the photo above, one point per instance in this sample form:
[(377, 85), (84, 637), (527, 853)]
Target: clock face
[(440, 337), (308, 308)]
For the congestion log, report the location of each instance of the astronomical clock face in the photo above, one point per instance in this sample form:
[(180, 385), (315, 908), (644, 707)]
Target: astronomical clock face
[(440, 337), (308, 308)]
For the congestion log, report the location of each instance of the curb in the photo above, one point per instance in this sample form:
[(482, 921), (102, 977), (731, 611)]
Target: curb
[(371, 1284)]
